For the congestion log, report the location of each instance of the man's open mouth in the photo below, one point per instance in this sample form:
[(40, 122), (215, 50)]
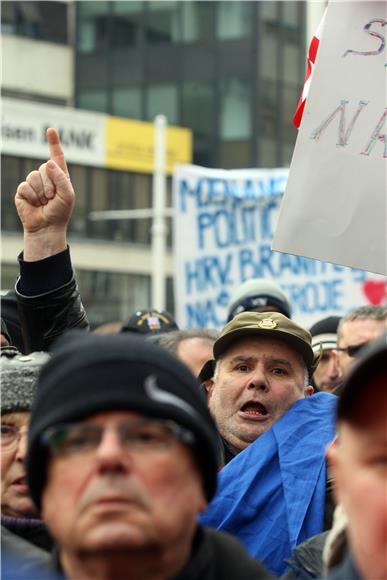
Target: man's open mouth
[(254, 409), (20, 481)]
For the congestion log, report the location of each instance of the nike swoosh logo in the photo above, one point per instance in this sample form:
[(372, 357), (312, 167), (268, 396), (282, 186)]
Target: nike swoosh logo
[(155, 393)]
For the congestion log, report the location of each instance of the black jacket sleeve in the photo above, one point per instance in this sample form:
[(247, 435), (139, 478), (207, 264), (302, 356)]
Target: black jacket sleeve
[(49, 302)]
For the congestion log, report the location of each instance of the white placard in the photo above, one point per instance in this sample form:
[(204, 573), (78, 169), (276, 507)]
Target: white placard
[(334, 208), (24, 124), (223, 229)]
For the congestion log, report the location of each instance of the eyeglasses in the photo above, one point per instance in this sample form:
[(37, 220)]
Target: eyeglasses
[(10, 436), (143, 435), (353, 351)]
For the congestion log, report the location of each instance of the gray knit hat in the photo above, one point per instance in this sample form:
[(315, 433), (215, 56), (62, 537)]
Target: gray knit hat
[(258, 294), (19, 374)]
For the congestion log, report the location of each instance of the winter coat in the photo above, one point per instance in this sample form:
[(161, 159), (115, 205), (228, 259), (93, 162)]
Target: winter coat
[(31, 530), (346, 571), (45, 315), (306, 562), (21, 560), (214, 556)]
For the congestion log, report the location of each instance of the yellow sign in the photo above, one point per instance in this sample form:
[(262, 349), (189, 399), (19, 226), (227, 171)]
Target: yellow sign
[(130, 145)]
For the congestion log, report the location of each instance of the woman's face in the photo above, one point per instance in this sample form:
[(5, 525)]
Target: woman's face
[(15, 499)]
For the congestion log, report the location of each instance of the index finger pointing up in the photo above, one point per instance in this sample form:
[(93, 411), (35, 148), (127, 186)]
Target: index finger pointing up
[(56, 151)]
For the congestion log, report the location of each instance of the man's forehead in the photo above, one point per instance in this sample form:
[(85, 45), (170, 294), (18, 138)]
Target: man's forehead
[(365, 329), (255, 346)]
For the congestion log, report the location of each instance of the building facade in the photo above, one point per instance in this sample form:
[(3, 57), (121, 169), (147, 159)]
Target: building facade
[(229, 71)]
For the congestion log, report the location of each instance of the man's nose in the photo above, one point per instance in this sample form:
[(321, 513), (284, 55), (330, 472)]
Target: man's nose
[(111, 453), (258, 380), (334, 366)]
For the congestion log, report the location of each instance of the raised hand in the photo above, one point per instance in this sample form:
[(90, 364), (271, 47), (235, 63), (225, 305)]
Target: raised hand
[(45, 202)]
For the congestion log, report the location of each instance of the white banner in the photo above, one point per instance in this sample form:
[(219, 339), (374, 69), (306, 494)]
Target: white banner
[(24, 124), (334, 208), (223, 229)]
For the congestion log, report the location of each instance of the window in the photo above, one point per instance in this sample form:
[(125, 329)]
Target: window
[(199, 107), (290, 14), (162, 22), (11, 175), (269, 55), (270, 105), (233, 19), (41, 20), (197, 20), (291, 63), (235, 108), (126, 25), (268, 153), (127, 103), (111, 296), (9, 273), (78, 221), (120, 190), (162, 99), (93, 100), (92, 25)]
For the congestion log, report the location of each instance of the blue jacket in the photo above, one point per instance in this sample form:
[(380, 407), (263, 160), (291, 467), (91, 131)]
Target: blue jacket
[(271, 495)]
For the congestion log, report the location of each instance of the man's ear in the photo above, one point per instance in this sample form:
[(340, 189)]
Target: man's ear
[(208, 387), (308, 391)]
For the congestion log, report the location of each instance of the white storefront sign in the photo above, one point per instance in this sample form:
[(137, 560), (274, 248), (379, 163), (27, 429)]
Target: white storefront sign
[(24, 127)]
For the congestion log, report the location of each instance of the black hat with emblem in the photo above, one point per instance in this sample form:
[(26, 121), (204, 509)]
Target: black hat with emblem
[(150, 322)]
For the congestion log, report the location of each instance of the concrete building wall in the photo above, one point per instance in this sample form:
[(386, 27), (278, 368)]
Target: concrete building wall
[(36, 68)]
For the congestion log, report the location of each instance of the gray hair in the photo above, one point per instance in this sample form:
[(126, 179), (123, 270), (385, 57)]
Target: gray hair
[(171, 340), (362, 313)]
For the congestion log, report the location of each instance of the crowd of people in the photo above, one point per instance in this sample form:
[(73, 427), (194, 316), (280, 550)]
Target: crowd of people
[(142, 451)]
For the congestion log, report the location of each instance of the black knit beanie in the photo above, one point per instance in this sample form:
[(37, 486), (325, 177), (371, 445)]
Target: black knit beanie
[(88, 374)]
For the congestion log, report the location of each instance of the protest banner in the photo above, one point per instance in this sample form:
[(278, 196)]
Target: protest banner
[(223, 229), (334, 208)]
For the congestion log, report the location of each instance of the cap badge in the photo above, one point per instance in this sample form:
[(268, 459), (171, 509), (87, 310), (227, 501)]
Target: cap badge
[(267, 323), (153, 322)]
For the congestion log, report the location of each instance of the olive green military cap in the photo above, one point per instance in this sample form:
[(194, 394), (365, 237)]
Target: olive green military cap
[(266, 324)]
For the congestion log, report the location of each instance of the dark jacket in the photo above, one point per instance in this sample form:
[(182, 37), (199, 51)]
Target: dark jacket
[(215, 556), (49, 302), (306, 560), (31, 530), (346, 571), (219, 556), (21, 560)]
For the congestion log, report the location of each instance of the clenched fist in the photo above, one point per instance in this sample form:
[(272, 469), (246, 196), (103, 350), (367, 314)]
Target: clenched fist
[(44, 202)]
